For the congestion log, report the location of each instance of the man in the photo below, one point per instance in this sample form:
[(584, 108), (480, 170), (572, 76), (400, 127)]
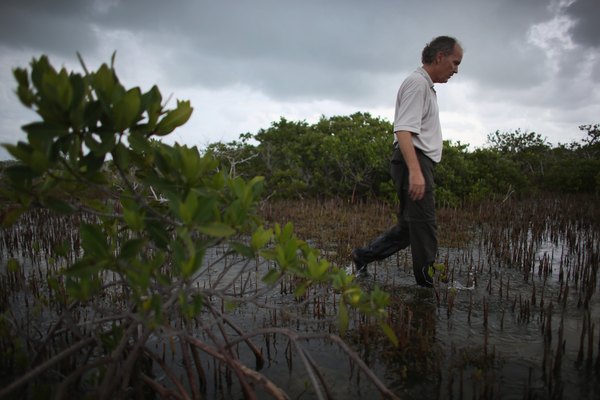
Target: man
[(417, 148)]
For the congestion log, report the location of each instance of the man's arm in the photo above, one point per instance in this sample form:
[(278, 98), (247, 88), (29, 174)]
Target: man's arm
[(416, 181)]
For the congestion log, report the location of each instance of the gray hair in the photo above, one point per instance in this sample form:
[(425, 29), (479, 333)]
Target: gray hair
[(441, 44)]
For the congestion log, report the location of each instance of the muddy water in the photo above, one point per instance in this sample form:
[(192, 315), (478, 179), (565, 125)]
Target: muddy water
[(487, 333), (500, 328), (519, 317)]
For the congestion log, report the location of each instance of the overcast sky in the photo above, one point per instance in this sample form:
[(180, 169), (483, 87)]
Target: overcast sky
[(532, 65)]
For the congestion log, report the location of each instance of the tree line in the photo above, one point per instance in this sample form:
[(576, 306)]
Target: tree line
[(348, 157)]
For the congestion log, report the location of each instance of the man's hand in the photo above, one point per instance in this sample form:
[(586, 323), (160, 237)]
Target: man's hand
[(416, 185), (416, 180)]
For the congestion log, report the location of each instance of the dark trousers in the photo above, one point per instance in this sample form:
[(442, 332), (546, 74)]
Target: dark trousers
[(416, 224)]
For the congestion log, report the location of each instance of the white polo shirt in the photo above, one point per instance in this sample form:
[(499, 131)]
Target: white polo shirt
[(417, 112)]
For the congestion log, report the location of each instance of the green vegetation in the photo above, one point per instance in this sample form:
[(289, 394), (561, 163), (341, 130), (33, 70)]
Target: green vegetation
[(153, 222), (347, 157)]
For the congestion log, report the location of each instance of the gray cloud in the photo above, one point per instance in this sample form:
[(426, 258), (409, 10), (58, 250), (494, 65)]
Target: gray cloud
[(60, 27), (297, 49), (352, 52), (586, 14), (291, 48)]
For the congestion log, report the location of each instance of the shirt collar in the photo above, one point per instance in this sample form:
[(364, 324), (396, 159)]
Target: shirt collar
[(422, 71)]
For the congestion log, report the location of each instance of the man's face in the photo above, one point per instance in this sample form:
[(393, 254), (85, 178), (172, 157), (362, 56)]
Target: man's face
[(446, 66)]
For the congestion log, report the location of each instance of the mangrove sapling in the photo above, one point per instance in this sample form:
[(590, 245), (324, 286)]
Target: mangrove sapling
[(168, 243)]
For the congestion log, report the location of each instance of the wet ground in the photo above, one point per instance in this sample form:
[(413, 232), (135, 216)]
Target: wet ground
[(519, 317), (488, 332)]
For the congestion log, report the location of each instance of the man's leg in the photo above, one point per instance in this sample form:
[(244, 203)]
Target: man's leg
[(390, 242), (397, 237), (423, 248), (420, 216)]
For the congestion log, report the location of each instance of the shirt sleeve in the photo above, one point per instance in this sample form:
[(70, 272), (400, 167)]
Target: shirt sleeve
[(409, 108)]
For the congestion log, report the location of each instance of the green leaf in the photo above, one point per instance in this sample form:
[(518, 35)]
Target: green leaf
[(13, 265), (257, 185), (64, 91), (341, 280), (316, 268), (194, 263), (217, 229), (92, 163), (260, 238), (240, 188), (104, 82), (188, 208), (92, 144), (41, 134), (131, 248), (174, 118), (127, 109), (300, 289), (59, 205), (191, 162), (139, 143), (20, 173), (158, 234), (379, 298), (389, 332), (271, 277), (121, 156), (22, 151), (242, 250), (109, 141), (151, 103), (92, 113), (287, 233), (51, 129), (197, 304), (79, 88), (25, 94), (84, 269), (353, 296), (82, 289), (39, 161), (21, 76), (39, 68), (178, 253), (134, 219), (93, 241)]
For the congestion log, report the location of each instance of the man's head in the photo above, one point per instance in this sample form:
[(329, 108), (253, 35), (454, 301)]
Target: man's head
[(441, 58)]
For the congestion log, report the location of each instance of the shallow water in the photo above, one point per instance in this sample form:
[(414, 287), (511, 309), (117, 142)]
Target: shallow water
[(505, 325), (488, 342), (489, 326)]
